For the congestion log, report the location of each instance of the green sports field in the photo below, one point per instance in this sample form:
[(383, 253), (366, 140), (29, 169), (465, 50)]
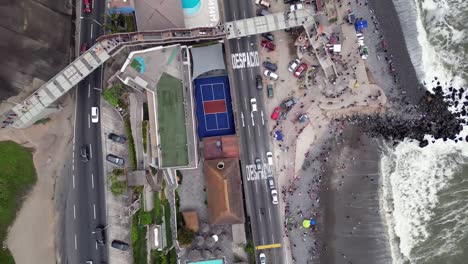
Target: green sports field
[(171, 121)]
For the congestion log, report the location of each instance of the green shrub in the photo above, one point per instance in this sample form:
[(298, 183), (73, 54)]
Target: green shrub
[(167, 221), (118, 187), (250, 250), (134, 231), (185, 235), (146, 218), (112, 94), (131, 143), (118, 171), (158, 213), (144, 130), (179, 176)]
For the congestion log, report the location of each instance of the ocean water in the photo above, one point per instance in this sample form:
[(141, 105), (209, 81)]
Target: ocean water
[(424, 198)]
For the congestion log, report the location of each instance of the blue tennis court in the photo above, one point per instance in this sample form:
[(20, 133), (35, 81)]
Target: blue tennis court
[(214, 107)]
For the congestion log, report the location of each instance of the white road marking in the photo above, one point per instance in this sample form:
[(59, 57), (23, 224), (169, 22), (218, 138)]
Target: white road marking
[(252, 116), (92, 30), (242, 117), (242, 74), (263, 119), (94, 210), (245, 16), (258, 132), (92, 180), (76, 244), (89, 121), (89, 90), (73, 181), (73, 167), (74, 212), (90, 151), (248, 130), (235, 16), (96, 245)]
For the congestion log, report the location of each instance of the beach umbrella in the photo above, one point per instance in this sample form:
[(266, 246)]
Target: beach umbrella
[(306, 223), (313, 222)]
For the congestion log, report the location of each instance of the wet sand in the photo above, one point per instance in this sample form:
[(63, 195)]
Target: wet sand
[(353, 229)]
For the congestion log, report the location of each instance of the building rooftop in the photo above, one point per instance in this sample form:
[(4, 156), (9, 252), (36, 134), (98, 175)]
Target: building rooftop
[(220, 147)]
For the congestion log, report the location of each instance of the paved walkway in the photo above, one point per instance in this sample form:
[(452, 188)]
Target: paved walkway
[(136, 117)]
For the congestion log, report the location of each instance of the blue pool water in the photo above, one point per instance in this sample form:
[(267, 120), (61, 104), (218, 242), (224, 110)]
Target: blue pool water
[(213, 261), (191, 6)]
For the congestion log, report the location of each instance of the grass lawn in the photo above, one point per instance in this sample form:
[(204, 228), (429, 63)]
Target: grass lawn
[(171, 119), (16, 177)]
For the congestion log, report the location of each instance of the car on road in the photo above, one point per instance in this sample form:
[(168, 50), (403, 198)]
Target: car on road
[(263, 3), (276, 113), (270, 66), (115, 159), (270, 90), (259, 82), (269, 156), (258, 164), (84, 153), (120, 245), (271, 181), (263, 12), (300, 70), (87, 6), (295, 7), (270, 46), (253, 104), (271, 75), (274, 196), (268, 36), (117, 138), (293, 65), (94, 114), (262, 258), (100, 235), (84, 47)]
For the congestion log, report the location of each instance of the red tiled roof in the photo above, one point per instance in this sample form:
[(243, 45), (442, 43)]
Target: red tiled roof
[(228, 147)]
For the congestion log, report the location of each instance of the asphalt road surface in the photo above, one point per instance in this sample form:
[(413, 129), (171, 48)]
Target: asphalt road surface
[(85, 201), (254, 135)]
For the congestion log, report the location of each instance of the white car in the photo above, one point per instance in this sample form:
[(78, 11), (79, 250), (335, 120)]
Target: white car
[(262, 258), (94, 114), (253, 104), (273, 76), (263, 3), (293, 65), (274, 196), (269, 158), (295, 7)]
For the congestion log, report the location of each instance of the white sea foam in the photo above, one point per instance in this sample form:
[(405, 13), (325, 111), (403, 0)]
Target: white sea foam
[(412, 177)]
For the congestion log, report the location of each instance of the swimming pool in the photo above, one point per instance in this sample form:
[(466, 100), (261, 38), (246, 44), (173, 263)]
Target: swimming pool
[(191, 6), (212, 261)]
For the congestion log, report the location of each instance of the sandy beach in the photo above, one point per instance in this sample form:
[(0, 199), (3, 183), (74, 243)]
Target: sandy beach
[(32, 235)]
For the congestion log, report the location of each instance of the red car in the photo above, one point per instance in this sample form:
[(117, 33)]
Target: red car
[(302, 68), (276, 113), (268, 44), (87, 6), (84, 47)]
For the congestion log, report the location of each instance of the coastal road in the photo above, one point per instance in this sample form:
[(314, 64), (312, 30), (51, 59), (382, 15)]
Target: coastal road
[(85, 209), (254, 135)]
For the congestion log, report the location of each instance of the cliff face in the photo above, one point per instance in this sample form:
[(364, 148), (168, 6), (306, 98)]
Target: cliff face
[(35, 42)]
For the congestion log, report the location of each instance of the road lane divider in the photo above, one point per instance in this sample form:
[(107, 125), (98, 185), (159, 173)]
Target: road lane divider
[(270, 246)]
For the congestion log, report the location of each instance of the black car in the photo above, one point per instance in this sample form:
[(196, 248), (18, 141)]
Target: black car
[(120, 245), (270, 66), (259, 82), (116, 138), (100, 237), (84, 153), (115, 159), (268, 36)]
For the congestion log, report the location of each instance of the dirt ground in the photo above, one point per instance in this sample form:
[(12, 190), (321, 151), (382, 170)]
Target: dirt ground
[(32, 235)]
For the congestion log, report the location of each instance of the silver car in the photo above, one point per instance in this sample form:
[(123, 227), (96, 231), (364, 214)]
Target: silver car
[(115, 159)]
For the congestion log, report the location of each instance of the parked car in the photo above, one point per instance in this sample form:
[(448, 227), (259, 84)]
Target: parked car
[(87, 6), (100, 235), (268, 45), (115, 159), (94, 114), (84, 47), (117, 138), (270, 90), (253, 104), (263, 3), (296, 7), (120, 245), (262, 258), (274, 196), (271, 75), (268, 36), (259, 82), (300, 70), (276, 113), (293, 65), (271, 181), (269, 156), (263, 12), (84, 153), (258, 164), (270, 66)]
